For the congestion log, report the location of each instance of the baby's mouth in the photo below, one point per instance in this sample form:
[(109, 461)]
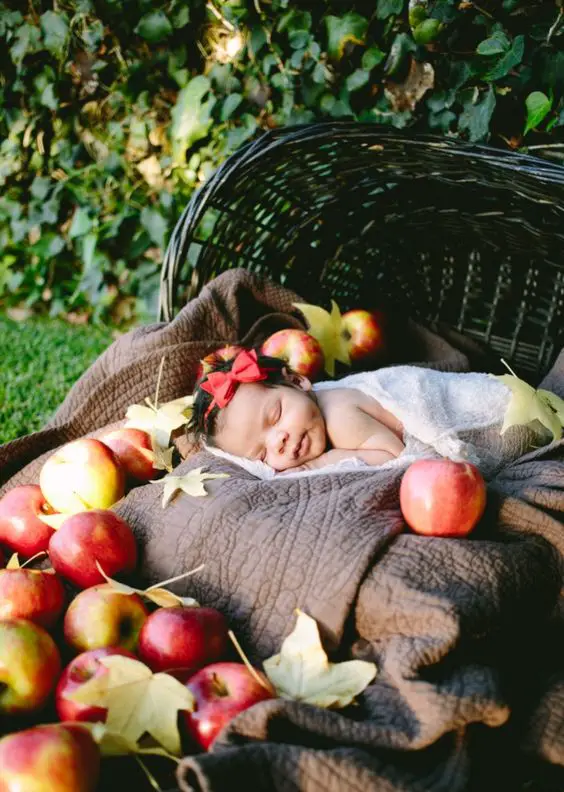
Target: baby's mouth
[(300, 447)]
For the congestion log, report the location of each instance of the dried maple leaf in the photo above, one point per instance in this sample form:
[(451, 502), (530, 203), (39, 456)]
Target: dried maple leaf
[(191, 483), (138, 701), (528, 404), (111, 744), (302, 671), (160, 596), (328, 330)]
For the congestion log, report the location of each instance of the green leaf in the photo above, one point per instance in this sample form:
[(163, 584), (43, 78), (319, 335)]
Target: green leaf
[(350, 27), (154, 27), (55, 32), (155, 225), (372, 57), (386, 8), (511, 59), (401, 46), (48, 98), (40, 187), (230, 104), (357, 79), (28, 40), (477, 114), (81, 223), (495, 45), (538, 106), (191, 116)]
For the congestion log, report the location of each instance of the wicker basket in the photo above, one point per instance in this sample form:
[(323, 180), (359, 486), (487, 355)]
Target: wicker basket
[(468, 235)]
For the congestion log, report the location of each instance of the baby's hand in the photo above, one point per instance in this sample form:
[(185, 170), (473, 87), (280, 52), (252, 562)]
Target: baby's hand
[(328, 458)]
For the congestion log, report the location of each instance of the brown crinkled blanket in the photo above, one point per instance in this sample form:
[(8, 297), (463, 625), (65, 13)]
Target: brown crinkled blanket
[(466, 634)]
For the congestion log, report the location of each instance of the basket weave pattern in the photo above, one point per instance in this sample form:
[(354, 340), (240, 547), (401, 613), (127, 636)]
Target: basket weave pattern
[(441, 230)]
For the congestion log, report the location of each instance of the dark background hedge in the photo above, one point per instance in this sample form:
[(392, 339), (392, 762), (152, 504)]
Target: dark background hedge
[(115, 110)]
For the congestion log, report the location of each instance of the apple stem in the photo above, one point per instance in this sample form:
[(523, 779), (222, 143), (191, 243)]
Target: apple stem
[(161, 365), (245, 660), (33, 558), (174, 579), (507, 366)]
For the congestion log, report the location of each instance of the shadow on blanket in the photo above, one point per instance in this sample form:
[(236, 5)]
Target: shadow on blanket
[(466, 634)]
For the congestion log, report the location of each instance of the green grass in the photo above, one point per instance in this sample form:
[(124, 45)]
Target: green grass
[(40, 360)]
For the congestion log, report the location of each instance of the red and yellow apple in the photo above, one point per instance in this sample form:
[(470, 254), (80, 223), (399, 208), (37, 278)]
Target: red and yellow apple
[(134, 452), (83, 668), (182, 638), (82, 475), (21, 526), (84, 538), (34, 594), (102, 616), (55, 757), (364, 334), (440, 497), (221, 691), (207, 364), (300, 350), (30, 665)]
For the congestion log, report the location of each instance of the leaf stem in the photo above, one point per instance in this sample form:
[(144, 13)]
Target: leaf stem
[(174, 579), (33, 558), (508, 367), (150, 777), (245, 660), (161, 365)]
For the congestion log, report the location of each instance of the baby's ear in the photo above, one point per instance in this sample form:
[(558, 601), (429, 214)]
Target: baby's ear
[(297, 379)]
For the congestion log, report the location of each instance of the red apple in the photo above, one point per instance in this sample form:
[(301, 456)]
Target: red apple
[(87, 537), (364, 334), (222, 354), (301, 351), (56, 757), (80, 670), (21, 527), (34, 594), (102, 616), (182, 638), (82, 475), (439, 497), (221, 691), (29, 667), (134, 452)]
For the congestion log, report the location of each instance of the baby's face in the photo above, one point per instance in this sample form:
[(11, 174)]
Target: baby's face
[(282, 426)]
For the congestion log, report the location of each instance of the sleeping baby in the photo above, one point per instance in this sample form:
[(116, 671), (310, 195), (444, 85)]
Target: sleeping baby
[(254, 408)]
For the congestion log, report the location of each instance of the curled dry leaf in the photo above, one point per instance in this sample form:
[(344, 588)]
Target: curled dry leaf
[(527, 405), (160, 596), (405, 95), (327, 329), (14, 562), (138, 701), (191, 483), (302, 671)]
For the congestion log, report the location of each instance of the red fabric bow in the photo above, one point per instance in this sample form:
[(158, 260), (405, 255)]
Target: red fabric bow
[(223, 384)]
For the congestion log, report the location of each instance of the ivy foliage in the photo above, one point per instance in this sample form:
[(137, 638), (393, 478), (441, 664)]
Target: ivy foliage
[(115, 110)]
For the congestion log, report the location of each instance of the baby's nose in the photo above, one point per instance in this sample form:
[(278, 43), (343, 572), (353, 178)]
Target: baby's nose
[(278, 440)]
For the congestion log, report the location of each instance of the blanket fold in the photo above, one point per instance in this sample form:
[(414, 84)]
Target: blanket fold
[(466, 634)]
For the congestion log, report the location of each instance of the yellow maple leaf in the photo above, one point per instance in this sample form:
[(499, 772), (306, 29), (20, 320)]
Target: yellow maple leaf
[(156, 593), (302, 671), (138, 701), (327, 329), (191, 483), (528, 404), (160, 421)]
